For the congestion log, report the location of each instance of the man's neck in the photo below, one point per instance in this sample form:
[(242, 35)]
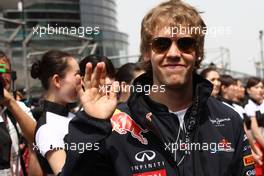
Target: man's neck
[(175, 99)]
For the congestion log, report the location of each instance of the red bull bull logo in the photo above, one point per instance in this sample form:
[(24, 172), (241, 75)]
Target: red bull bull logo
[(123, 123)]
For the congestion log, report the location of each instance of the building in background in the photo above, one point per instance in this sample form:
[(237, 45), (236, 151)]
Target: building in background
[(78, 26), (103, 13)]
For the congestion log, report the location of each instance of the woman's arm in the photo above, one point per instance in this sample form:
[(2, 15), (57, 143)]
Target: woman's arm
[(56, 159), (256, 152), (257, 131), (34, 168), (251, 139), (26, 123)]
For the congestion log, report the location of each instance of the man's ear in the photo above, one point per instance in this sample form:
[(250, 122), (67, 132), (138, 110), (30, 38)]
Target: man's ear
[(56, 81)]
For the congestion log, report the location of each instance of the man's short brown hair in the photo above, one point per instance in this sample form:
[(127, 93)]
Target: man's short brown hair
[(174, 13)]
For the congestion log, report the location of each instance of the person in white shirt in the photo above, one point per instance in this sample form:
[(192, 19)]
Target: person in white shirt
[(254, 91), (227, 92), (15, 120), (238, 98), (212, 75), (240, 93)]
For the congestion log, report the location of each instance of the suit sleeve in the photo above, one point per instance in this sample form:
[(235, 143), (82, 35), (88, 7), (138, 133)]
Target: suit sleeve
[(85, 142)]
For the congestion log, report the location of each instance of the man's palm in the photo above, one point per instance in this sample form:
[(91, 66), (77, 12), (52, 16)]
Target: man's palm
[(96, 99)]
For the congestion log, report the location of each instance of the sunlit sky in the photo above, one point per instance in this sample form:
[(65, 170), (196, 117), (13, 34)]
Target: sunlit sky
[(242, 21)]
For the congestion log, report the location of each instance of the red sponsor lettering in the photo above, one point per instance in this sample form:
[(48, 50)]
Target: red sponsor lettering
[(161, 172)]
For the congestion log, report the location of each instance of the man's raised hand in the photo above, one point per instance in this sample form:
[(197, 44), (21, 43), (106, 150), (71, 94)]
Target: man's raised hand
[(96, 99)]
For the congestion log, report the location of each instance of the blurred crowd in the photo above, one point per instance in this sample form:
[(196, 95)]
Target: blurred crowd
[(244, 96), (93, 103)]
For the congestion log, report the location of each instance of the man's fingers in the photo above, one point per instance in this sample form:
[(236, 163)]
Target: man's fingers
[(97, 74), (88, 75), (103, 74), (114, 90)]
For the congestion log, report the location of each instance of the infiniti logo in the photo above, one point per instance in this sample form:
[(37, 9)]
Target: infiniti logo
[(145, 155)]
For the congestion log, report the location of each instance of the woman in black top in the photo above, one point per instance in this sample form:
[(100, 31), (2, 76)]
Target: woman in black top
[(59, 74)]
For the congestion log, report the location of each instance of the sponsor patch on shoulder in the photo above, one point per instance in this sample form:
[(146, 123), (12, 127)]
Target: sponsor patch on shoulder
[(248, 160)]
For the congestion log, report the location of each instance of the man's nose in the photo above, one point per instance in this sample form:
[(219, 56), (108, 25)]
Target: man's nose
[(173, 50)]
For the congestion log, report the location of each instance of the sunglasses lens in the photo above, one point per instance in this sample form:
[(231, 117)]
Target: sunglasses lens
[(161, 44), (186, 44)]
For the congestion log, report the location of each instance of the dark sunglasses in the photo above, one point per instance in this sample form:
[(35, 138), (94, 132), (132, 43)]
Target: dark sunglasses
[(162, 44)]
